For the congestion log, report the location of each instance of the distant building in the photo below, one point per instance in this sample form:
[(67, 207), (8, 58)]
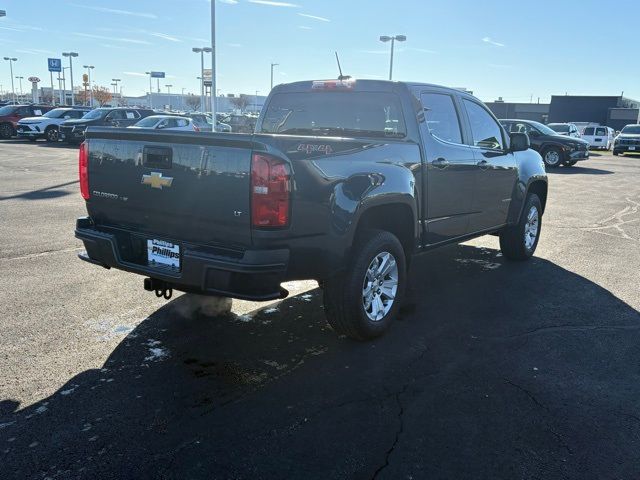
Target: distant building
[(538, 112), (614, 111)]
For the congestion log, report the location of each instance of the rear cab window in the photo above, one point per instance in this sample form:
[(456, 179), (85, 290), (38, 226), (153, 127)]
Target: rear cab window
[(442, 117), (371, 114)]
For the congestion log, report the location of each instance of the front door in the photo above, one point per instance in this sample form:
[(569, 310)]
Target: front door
[(450, 172), (496, 171)]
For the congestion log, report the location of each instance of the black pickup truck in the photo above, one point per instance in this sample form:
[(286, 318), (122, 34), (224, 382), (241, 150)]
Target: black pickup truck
[(343, 182)]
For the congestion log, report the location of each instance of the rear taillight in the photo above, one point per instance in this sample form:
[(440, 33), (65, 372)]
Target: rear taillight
[(270, 189), (83, 169), (196, 128)]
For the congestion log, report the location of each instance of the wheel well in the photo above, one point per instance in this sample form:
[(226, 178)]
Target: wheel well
[(395, 218), (540, 189)]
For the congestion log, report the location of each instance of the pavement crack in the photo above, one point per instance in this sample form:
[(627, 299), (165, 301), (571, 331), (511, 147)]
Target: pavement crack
[(566, 328), (399, 431), (528, 393)]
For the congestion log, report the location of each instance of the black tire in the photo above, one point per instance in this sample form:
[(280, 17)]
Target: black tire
[(32, 139), (552, 157), (615, 154), (570, 163), (6, 131), (344, 299), (512, 238), (51, 134)]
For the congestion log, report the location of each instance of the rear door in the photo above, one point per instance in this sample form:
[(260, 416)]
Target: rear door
[(450, 172), (496, 171), (130, 117), (601, 137)]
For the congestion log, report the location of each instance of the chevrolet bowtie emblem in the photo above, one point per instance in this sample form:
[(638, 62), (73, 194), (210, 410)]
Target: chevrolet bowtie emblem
[(156, 180)]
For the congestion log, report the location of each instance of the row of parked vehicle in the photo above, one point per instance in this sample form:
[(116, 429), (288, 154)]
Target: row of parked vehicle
[(33, 122)]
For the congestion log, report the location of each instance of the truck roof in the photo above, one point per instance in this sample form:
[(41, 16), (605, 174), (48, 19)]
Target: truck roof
[(364, 85)]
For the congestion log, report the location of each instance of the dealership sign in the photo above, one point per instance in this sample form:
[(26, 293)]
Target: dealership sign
[(157, 74), (55, 64), (33, 79)]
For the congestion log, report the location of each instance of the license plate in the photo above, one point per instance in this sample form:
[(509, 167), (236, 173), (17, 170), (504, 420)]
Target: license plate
[(632, 148), (163, 254)]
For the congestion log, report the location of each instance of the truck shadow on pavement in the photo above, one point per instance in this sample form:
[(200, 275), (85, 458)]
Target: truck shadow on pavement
[(43, 193), (576, 170), (495, 370)]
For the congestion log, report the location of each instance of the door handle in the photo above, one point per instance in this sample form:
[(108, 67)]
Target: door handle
[(483, 164), (440, 163)]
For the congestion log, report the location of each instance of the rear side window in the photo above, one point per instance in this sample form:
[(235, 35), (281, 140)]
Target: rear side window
[(375, 114), (588, 131), (601, 131), (442, 117), (485, 130)]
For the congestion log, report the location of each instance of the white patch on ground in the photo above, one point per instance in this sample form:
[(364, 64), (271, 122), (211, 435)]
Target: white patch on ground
[(69, 390), (117, 326), (41, 409), (307, 297), (244, 318), (271, 310), (485, 264), (157, 354), (3, 425), (190, 304), (274, 364), (86, 427), (316, 350), (34, 444)]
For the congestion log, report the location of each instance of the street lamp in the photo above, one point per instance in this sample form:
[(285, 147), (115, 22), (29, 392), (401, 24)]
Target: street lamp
[(213, 66), (20, 80), (273, 65), (89, 68), (202, 51), (385, 39), (71, 55), (150, 90), (13, 90), (257, 91), (169, 93)]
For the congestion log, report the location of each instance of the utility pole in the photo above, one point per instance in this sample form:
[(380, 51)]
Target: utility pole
[(71, 55), (89, 68), (213, 66), (273, 65), (13, 90), (150, 90)]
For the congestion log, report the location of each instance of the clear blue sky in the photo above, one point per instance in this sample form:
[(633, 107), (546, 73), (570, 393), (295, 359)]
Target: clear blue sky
[(493, 47)]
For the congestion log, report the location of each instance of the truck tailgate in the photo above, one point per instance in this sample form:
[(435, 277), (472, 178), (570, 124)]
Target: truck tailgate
[(176, 186)]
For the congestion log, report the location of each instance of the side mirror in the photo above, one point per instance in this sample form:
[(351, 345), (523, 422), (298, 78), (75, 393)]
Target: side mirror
[(519, 142)]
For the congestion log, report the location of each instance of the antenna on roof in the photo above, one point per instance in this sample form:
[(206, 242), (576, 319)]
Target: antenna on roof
[(341, 77)]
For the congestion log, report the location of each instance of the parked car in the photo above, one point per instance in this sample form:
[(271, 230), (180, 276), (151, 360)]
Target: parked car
[(555, 149), (72, 131), (343, 182), (599, 137), (166, 122), (566, 129), (10, 115), (46, 126), (628, 141), (242, 123), (203, 122)]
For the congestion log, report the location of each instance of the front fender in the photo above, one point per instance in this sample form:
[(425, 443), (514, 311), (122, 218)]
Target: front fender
[(530, 169)]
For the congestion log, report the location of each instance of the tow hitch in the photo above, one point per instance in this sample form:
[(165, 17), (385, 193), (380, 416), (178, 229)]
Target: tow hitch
[(162, 289)]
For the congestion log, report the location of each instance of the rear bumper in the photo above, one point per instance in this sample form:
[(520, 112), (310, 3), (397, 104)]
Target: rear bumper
[(254, 275)]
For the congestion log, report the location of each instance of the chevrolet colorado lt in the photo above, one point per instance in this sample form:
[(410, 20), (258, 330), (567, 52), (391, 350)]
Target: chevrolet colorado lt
[(343, 181)]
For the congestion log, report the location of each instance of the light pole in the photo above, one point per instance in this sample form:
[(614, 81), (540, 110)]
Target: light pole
[(71, 55), (89, 68), (169, 93), (150, 90), (273, 65), (64, 85), (202, 51), (60, 90), (213, 66), (115, 80), (20, 80), (13, 90), (385, 39)]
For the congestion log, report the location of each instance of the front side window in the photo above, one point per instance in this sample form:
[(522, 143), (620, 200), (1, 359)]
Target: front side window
[(441, 117), (116, 115), (588, 131), (601, 131), (485, 130)]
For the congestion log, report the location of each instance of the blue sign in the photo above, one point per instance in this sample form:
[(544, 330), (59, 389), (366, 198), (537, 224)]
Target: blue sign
[(157, 74), (55, 64)]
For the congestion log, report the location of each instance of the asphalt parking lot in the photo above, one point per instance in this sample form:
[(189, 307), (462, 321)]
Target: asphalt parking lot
[(495, 370)]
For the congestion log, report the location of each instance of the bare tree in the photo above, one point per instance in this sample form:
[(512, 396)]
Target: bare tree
[(240, 102), (102, 95), (193, 101)]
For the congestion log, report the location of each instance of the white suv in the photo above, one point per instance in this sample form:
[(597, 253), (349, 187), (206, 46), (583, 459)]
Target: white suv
[(47, 125)]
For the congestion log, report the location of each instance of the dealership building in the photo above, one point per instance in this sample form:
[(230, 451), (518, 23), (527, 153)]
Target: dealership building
[(612, 111)]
